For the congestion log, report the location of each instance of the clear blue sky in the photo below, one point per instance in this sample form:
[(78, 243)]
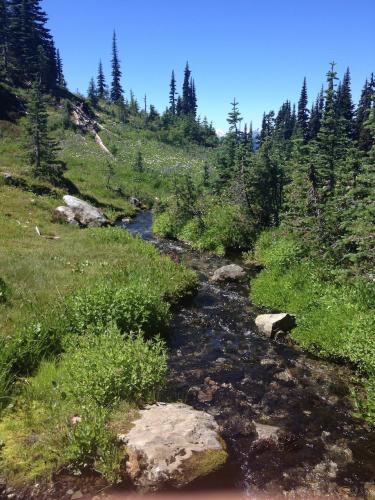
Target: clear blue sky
[(256, 50)]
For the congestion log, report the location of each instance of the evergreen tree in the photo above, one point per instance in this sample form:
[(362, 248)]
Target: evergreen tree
[(186, 92), (101, 83), (60, 73), (361, 132), (303, 113), (92, 94), (41, 150), (4, 33), (138, 165), (345, 107), (234, 118), (172, 94), (116, 89)]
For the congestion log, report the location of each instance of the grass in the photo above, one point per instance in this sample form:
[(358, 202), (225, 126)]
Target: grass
[(75, 310), (334, 319)]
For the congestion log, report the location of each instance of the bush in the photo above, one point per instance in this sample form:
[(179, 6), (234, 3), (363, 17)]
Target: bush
[(131, 308), (165, 225), (63, 413)]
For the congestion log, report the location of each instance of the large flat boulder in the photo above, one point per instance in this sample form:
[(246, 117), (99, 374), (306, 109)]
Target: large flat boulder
[(232, 272), (81, 212), (270, 324), (172, 444)]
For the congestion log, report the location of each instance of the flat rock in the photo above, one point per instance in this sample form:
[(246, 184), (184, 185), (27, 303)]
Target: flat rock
[(172, 444), (266, 432), (232, 272), (81, 212), (270, 324)]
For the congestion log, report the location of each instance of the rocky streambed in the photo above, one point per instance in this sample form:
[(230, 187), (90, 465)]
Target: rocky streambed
[(285, 416)]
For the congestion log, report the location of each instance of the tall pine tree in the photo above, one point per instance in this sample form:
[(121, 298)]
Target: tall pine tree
[(172, 94), (116, 89), (100, 82)]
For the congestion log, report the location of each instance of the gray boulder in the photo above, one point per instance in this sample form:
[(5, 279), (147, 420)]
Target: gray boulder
[(80, 211), (270, 324), (172, 444), (232, 272), (64, 214)]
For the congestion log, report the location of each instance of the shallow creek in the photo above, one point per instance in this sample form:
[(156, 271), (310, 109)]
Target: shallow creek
[(220, 364)]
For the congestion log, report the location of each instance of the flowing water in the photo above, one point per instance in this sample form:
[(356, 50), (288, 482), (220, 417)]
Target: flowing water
[(219, 363)]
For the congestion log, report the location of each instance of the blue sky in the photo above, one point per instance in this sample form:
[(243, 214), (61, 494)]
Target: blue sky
[(256, 50)]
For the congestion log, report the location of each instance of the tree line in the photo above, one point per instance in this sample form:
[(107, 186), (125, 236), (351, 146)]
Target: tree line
[(27, 48), (310, 169)]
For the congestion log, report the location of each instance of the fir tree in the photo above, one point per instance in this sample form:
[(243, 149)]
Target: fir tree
[(101, 83), (186, 91), (303, 113), (345, 107), (60, 73), (138, 165), (234, 118), (40, 148), (116, 89), (4, 33), (92, 94), (361, 132), (172, 95)]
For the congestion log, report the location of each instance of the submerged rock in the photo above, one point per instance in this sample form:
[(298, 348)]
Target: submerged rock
[(270, 324), (232, 272), (80, 212), (369, 491), (172, 444)]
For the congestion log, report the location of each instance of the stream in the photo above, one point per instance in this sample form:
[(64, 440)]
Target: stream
[(219, 363)]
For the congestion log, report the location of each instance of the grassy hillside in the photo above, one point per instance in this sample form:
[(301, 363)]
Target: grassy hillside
[(71, 296)]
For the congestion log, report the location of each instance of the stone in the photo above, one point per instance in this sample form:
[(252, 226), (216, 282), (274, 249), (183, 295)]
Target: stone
[(135, 202), (266, 432), (64, 214), (84, 213), (172, 444), (232, 272), (369, 489), (77, 495), (270, 324)]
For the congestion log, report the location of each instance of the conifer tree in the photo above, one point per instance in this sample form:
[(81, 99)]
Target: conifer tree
[(101, 83), (345, 107), (116, 89), (4, 33), (172, 94), (186, 91), (60, 72), (41, 150), (303, 113), (92, 94), (361, 132), (234, 118)]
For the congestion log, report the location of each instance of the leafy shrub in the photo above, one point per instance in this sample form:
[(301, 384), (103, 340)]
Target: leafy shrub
[(165, 225), (131, 308), (63, 413)]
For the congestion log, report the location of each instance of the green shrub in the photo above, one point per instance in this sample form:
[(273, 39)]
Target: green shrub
[(165, 225), (63, 413), (132, 308)]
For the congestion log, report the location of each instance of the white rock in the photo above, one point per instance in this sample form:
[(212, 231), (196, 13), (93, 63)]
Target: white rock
[(232, 272), (266, 432), (65, 214), (84, 213), (172, 444), (269, 324)]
